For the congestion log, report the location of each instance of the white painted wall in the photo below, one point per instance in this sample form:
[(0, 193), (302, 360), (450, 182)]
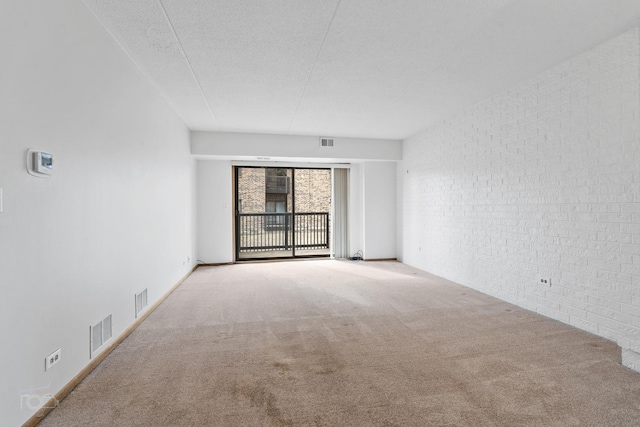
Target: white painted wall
[(248, 146), (379, 219), (356, 209), (117, 216), (215, 211), (541, 180)]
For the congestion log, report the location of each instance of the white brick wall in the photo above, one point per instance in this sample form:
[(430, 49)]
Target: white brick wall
[(540, 180)]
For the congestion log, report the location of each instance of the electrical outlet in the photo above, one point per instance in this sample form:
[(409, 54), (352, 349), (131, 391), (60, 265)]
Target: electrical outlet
[(52, 359), (545, 281)]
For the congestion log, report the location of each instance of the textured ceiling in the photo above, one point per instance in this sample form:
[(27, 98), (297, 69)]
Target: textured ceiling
[(359, 68)]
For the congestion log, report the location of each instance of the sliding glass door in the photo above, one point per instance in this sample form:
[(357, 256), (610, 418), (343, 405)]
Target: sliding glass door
[(282, 212)]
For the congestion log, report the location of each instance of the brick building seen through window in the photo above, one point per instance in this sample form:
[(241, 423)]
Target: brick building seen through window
[(270, 190)]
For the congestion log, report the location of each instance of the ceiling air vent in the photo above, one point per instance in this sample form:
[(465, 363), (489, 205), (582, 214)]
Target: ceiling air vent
[(326, 142)]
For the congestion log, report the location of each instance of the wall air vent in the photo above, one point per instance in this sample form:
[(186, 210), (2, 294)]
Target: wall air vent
[(141, 302), (326, 142), (99, 334)]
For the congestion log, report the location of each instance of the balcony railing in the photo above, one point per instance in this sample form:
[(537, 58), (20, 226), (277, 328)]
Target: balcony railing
[(275, 231)]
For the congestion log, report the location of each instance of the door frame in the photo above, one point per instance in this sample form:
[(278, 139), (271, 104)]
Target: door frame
[(236, 211)]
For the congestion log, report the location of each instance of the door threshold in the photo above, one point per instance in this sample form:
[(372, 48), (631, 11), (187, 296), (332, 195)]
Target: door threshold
[(259, 260)]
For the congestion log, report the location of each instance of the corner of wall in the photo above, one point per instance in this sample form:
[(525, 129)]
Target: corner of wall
[(545, 186)]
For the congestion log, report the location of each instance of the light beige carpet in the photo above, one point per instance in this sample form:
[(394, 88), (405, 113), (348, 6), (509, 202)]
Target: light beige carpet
[(338, 343)]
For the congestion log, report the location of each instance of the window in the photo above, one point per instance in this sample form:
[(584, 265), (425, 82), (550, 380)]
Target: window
[(279, 206)]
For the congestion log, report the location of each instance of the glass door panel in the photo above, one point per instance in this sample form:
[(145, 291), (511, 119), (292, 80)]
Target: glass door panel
[(264, 213)]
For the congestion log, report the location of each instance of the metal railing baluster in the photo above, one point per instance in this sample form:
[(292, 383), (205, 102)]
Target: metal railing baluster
[(274, 231)]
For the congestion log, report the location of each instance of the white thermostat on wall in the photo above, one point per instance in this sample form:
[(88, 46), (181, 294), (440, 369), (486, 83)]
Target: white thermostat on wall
[(39, 163)]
